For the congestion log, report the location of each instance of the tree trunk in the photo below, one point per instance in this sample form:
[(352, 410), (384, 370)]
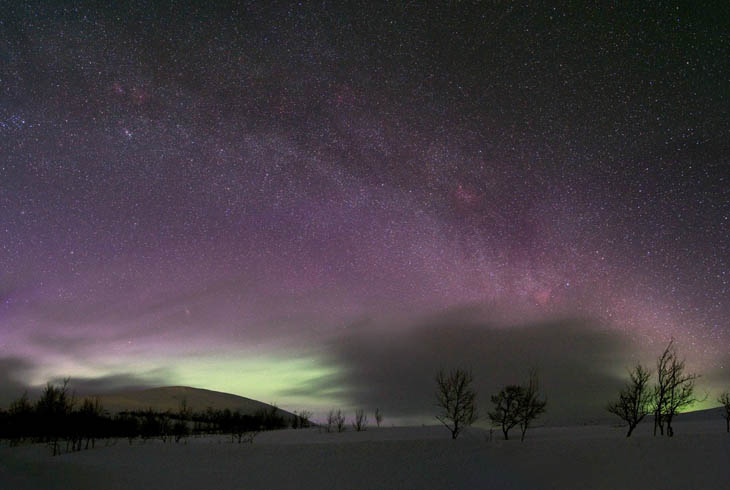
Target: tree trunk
[(658, 424)]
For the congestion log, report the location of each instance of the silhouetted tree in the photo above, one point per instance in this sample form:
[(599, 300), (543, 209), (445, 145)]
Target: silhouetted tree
[(244, 428), (456, 399), (335, 421), (4, 418), (304, 419), (127, 426), (724, 400), (339, 421), (53, 418), (301, 419), (659, 393), (89, 421), (180, 428), (530, 405), (270, 418), (673, 391), (330, 423), (361, 420), (378, 417), (165, 426), (53, 409), (149, 426), (506, 411), (20, 420), (634, 399)]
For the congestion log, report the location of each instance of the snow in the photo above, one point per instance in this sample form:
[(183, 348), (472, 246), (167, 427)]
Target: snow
[(593, 457)]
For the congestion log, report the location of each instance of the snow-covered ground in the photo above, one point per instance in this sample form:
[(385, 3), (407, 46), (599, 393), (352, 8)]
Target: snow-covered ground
[(586, 457)]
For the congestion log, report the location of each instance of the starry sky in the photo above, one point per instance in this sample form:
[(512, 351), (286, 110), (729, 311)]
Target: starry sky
[(321, 204)]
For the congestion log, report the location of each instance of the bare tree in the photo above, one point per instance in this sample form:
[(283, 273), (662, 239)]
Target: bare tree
[(335, 421), (339, 421), (724, 400), (456, 399), (180, 428), (361, 420), (88, 419), (659, 394), (634, 399), (506, 411), (378, 417), (305, 417), (23, 417), (674, 389), (301, 419), (53, 409), (530, 406)]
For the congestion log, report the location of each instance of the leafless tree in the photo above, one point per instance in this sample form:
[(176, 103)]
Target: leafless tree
[(660, 390), (634, 399), (305, 417), (88, 418), (506, 411), (339, 421), (530, 406), (724, 400), (335, 421), (164, 425), (456, 399), (301, 419), (53, 409), (378, 417), (22, 413), (180, 428), (674, 389), (361, 420)]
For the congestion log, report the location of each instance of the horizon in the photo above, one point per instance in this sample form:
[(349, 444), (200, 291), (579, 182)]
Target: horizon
[(173, 403), (322, 206)]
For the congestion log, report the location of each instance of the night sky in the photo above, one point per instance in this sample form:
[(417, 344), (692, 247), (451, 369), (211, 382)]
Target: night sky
[(320, 205)]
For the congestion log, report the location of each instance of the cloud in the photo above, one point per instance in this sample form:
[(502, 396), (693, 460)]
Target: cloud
[(12, 371), (580, 363), (116, 382), (15, 371)]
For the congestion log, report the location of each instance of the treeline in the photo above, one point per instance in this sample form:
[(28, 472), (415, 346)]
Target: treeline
[(58, 420)]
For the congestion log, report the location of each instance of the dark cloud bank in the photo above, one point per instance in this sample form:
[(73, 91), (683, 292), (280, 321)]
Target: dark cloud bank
[(14, 370), (579, 363)]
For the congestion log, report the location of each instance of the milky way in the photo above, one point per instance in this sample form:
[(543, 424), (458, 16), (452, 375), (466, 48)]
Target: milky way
[(191, 194)]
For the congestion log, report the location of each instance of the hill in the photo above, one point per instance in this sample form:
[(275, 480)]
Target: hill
[(170, 398)]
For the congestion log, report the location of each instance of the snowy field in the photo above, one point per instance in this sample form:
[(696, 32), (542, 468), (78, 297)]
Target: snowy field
[(587, 457)]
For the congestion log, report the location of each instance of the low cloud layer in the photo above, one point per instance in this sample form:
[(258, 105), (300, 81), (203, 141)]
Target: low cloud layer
[(113, 383), (15, 371), (579, 364), (392, 365), (12, 371)]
